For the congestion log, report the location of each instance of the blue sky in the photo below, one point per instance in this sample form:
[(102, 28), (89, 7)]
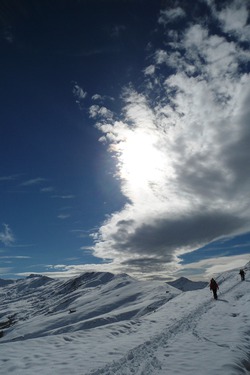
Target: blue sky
[(124, 137)]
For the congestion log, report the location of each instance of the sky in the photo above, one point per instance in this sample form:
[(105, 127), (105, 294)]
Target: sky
[(124, 137)]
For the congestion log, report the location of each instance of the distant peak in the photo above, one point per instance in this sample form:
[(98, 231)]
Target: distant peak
[(33, 275), (182, 278), (38, 276), (185, 284)]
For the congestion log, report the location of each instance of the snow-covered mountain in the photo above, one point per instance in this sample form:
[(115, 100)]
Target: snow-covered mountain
[(4, 282), (41, 305), (186, 285), (100, 323)]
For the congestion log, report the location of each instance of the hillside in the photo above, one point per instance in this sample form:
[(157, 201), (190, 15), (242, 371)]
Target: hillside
[(4, 282), (100, 323), (88, 301)]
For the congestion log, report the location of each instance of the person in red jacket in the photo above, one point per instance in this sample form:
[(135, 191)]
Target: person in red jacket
[(214, 287)]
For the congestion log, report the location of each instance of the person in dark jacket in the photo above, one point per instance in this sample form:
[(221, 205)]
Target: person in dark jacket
[(242, 274), (214, 287)]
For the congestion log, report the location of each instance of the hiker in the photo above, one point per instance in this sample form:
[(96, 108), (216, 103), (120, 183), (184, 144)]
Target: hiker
[(242, 274), (214, 287)]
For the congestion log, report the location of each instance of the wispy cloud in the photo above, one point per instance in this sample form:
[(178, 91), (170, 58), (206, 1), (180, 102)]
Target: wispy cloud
[(117, 30), (15, 257), (34, 181), (81, 233), (69, 196), (7, 236), (63, 216), (5, 270), (9, 178), (8, 35), (61, 270), (171, 15), (182, 145), (47, 189), (101, 98), (207, 268), (79, 94)]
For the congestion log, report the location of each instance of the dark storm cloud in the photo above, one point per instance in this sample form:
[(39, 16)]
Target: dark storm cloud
[(164, 236)]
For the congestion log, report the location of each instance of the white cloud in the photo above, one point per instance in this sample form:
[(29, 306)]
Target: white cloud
[(171, 15), (149, 70), (7, 236), (48, 189), (63, 216), (9, 178), (97, 97), (69, 196), (101, 98), (34, 181), (78, 92), (207, 268), (182, 158), (201, 270), (97, 111), (81, 233), (62, 270), (117, 30), (15, 257), (234, 18), (5, 270)]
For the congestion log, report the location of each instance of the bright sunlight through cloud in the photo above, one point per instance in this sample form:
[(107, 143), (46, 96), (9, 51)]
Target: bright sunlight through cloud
[(140, 162), (182, 148)]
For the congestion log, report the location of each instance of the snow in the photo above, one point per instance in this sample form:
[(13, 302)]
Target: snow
[(105, 324)]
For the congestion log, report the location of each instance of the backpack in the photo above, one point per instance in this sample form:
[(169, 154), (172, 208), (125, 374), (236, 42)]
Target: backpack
[(213, 284)]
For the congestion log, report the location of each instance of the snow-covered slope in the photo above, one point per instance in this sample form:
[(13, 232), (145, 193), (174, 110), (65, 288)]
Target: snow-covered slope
[(100, 323), (41, 306), (4, 282)]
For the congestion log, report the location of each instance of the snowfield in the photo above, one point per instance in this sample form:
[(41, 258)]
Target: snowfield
[(105, 324)]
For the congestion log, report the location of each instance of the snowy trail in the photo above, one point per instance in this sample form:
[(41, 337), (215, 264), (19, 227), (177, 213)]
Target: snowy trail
[(143, 359)]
